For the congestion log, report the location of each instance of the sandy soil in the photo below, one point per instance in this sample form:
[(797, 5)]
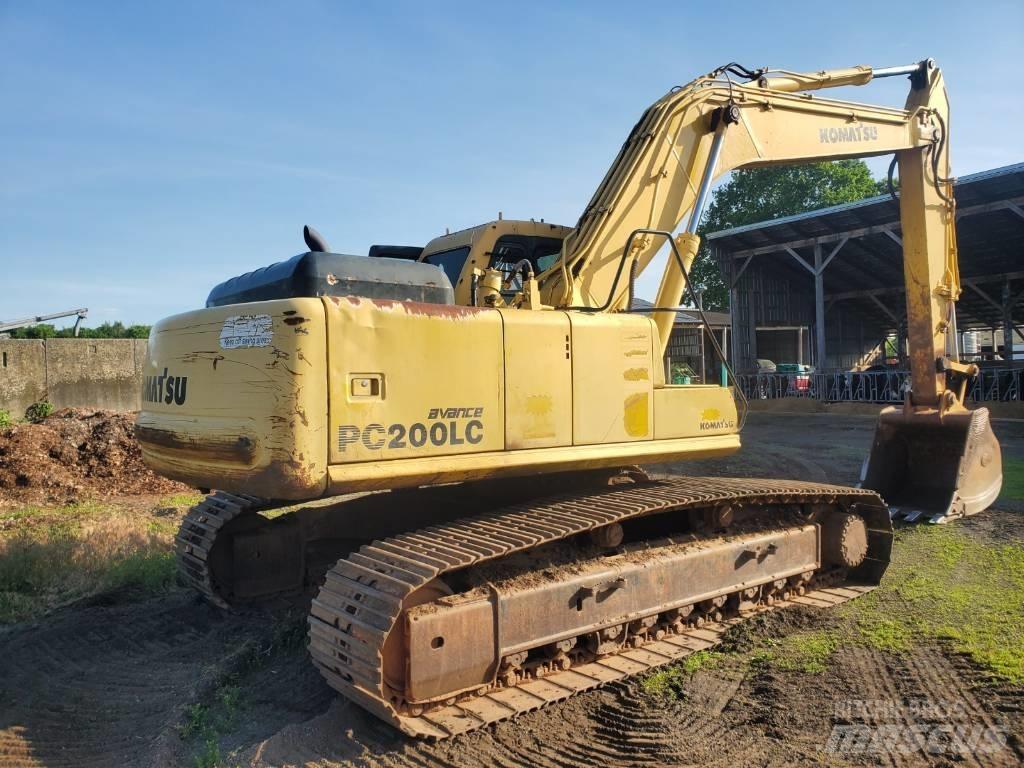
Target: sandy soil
[(105, 683)]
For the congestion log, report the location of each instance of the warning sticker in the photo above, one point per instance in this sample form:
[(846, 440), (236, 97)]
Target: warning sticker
[(246, 331)]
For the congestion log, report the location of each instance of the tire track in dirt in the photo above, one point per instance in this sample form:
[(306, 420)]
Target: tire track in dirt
[(98, 685), (928, 674), (619, 725)]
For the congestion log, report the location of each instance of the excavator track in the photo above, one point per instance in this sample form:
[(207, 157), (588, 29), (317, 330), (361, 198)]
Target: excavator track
[(221, 553), (368, 594), (194, 542)]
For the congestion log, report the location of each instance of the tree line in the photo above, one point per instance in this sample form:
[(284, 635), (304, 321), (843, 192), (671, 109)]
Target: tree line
[(115, 330)]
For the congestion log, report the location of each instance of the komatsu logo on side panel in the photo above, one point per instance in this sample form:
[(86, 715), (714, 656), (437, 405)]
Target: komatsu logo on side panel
[(375, 437), (847, 133), (711, 418), (165, 389)]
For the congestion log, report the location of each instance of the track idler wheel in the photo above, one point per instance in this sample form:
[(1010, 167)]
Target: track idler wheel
[(844, 539)]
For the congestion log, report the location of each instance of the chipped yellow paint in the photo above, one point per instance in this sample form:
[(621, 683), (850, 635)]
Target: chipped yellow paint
[(636, 374), (635, 414), (255, 417)]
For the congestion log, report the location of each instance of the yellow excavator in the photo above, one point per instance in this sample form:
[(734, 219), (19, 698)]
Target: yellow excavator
[(441, 444)]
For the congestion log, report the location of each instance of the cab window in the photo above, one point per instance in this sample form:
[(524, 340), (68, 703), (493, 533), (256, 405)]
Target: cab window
[(541, 252), (450, 261)]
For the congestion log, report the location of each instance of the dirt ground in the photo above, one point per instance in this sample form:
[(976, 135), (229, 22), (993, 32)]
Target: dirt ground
[(170, 681)]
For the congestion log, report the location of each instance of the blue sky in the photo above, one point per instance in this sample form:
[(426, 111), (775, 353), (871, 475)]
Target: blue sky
[(149, 151)]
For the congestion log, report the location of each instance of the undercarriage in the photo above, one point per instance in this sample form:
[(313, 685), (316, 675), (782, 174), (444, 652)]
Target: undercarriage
[(474, 618)]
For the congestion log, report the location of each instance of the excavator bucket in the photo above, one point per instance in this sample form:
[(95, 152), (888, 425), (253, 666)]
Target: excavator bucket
[(931, 469)]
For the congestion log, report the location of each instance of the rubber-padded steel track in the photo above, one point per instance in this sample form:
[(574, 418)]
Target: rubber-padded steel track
[(197, 534), (361, 599)]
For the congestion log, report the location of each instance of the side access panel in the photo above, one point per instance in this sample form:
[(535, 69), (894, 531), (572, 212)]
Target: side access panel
[(692, 410), (612, 378), (538, 379), (411, 380)]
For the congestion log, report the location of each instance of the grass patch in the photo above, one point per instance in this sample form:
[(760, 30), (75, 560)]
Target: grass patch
[(1013, 479), (146, 570), (884, 634), (808, 652), (52, 556), (206, 723), (182, 500), (943, 584), (37, 412), (63, 519), (671, 680), (209, 756)]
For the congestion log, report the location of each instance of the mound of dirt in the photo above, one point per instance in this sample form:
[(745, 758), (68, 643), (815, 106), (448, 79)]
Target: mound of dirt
[(75, 454)]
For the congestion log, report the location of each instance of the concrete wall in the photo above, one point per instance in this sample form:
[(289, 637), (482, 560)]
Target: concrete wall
[(87, 373), (22, 374)]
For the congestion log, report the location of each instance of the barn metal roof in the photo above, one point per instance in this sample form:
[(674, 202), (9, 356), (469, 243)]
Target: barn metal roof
[(685, 316), (990, 235)]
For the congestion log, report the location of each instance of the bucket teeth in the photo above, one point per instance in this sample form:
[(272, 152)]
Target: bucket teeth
[(938, 467)]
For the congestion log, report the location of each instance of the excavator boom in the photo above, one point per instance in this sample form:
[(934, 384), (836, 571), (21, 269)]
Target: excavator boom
[(663, 175)]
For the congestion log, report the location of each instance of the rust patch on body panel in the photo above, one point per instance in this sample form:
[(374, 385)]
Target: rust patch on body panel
[(449, 311), (234, 449)]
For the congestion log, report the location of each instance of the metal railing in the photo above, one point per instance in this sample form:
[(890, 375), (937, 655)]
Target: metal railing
[(990, 385)]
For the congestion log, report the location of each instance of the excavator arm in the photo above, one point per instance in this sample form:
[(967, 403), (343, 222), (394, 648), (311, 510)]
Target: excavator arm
[(663, 174)]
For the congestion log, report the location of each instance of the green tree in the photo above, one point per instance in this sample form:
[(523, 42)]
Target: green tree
[(115, 330), (760, 194), (41, 331)]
